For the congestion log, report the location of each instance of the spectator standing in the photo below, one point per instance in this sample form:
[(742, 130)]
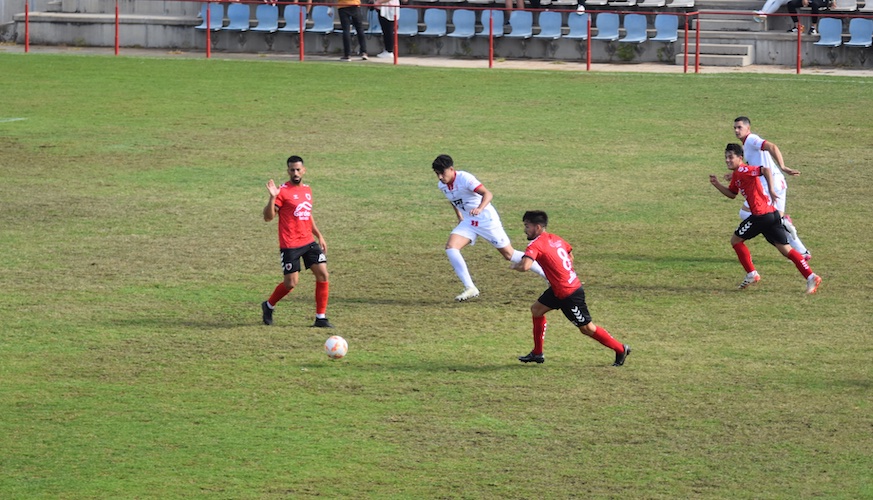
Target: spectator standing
[(349, 12), (764, 218), (565, 291), (760, 152), (471, 202), (389, 11), (292, 202)]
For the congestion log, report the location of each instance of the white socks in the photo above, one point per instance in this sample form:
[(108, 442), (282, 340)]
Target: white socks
[(460, 266)]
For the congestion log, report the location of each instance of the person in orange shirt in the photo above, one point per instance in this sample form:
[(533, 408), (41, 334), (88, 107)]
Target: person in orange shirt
[(350, 14)]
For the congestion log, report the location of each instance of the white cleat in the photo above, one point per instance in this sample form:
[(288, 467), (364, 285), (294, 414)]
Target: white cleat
[(468, 294), (751, 278), (812, 283)]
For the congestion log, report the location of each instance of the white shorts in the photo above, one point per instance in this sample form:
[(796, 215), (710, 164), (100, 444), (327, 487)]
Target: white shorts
[(489, 230)]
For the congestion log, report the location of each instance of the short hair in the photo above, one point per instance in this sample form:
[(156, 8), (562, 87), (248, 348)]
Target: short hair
[(744, 119), (294, 159), (442, 162), (734, 148), (536, 217)]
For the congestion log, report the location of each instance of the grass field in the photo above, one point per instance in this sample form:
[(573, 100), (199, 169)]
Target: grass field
[(133, 361)]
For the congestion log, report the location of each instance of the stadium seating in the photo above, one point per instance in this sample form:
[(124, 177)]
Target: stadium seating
[(635, 26), (550, 25), (292, 18), (238, 15), (373, 26), (666, 28), (268, 18), (465, 24), (521, 22), (652, 4), (408, 25), (487, 25), (831, 31), (216, 16), (434, 23), (322, 20), (596, 3), (861, 32), (868, 6), (607, 27), (578, 24), (680, 4)]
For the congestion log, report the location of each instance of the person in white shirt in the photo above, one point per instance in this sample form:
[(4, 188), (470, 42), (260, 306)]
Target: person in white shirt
[(471, 202), (389, 11), (762, 153)]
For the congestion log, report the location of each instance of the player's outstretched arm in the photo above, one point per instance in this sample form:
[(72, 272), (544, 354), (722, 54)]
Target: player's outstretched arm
[(270, 207)]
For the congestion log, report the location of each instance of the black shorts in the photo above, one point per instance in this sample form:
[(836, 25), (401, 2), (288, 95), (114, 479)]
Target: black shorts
[(573, 306), (311, 254), (770, 225)]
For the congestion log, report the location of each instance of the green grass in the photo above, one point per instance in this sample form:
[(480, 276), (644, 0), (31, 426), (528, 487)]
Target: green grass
[(134, 258)]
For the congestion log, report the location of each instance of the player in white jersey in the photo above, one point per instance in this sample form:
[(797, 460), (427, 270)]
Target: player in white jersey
[(476, 217), (762, 153)]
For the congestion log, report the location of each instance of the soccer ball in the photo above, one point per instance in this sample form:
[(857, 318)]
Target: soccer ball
[(336, 347)]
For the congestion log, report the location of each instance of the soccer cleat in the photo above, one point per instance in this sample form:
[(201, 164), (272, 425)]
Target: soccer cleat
[(620, 357), (807, 256), (812, 283), (321, 323), (751, 278), (469, 293), (532, 358), (267, 313)]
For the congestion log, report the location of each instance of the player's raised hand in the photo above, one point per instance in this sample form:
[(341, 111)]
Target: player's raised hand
[(271, 187)]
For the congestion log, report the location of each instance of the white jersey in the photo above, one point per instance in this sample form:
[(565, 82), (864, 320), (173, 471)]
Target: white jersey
[(461, 193), (755, 155)]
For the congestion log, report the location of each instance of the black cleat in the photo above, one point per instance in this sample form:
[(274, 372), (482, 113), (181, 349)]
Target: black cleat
[(536, 358), (267, 313), (620, 357), (321, 323)]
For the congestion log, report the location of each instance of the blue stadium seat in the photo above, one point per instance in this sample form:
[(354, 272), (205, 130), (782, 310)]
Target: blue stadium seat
[(373, 26), (216, 16), (634, 29), (322, 20), (607, 27), (268, 18), (292, 18), (434, 22), (861, 32), (521, 22), (550, 25), (238, 14), (465, 24), (408, 25), (497, 16), (666, 28), (578, 24), (831, 30)]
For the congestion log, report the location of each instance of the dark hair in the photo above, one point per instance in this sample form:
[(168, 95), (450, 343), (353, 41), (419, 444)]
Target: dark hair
[(442, 162), (537, 217), (744, 119), (735, 148), (294, 159)]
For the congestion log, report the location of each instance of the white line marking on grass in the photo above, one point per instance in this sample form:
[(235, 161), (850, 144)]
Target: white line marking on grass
[(7, 120)]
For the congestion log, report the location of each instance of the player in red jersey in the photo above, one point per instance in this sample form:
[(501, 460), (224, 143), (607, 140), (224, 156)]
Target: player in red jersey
[(293, 203), (565, 291), (765, 218)]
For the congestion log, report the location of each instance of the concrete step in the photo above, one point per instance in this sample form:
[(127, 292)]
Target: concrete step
[(722, 49), (722, 24), (715, 60), (712, 54)]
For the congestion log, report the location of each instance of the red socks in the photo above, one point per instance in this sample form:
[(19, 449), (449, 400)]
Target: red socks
[(800, 262), (602, 336), (322, 291), (539, 334), (745, 256), (278, 293)]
